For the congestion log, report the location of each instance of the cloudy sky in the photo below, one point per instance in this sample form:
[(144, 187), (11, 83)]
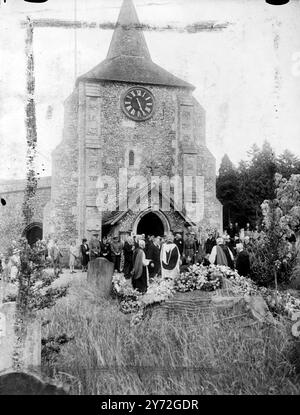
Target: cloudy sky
[(247, 76)]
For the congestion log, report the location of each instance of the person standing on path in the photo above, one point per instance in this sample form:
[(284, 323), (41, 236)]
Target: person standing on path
[(56, 255), (73, 256), (85, 255)]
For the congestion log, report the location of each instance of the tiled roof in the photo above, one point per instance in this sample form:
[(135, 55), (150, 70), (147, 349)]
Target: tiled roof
[(135, 70)]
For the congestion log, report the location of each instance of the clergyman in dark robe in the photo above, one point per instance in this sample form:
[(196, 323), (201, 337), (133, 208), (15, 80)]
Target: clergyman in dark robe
[(128, 249), (154, 256), (242, 261), (221, 254), (140, 268)]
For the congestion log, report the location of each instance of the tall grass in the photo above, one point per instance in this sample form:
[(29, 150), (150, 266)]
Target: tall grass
[(182, 356)]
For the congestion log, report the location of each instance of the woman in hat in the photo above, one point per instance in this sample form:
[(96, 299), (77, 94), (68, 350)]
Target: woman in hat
[(85, 254)]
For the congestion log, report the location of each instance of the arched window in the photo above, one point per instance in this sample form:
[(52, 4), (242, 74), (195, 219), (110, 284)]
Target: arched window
[(131, 158)]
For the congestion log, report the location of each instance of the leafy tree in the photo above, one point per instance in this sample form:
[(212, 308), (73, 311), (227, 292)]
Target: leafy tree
[(272, 255)]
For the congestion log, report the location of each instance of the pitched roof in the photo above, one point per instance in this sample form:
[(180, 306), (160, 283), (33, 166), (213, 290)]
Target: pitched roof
[(112, 218), (128, 58)]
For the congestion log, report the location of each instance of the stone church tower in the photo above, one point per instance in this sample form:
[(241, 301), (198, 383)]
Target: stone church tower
[(127, 118)]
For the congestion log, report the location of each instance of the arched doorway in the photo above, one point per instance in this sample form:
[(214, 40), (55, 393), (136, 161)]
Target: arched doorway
[(151, 223), (33, 232)]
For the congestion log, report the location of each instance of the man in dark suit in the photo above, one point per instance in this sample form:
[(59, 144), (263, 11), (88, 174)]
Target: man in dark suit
[(95, 247), (116, 251), (242, 261), (154, 255), (179, 242)]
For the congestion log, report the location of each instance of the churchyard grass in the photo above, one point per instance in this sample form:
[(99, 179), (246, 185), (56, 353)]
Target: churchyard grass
[(107, 356)]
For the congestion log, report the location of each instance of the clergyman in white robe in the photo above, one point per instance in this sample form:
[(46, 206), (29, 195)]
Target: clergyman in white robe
[(170, 259)]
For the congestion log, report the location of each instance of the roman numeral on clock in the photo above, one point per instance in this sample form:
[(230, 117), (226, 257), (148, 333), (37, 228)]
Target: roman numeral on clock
[(138, 103)]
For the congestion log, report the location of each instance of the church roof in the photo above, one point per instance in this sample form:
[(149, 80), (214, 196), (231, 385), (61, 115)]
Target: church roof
[(128, 58), (112, 218)]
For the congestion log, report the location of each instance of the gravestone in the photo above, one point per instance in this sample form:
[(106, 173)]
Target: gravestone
[(20, 356), (100, 273), (28, 383), (30, 356)]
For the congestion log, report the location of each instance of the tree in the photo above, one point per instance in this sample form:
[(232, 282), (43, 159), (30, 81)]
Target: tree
[(262, 172), (288, 199), (243, 189), (227, 190), (288, 164), (273, 256)]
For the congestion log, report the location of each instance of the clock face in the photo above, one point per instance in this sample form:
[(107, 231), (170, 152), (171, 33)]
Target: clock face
[(138, 103)]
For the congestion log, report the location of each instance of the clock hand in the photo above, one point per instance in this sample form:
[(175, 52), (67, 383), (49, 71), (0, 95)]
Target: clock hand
[(140, 106)]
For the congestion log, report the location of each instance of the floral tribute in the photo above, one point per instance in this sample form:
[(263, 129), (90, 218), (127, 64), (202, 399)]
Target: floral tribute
[(279, 302), (200, 277), (197, 277)]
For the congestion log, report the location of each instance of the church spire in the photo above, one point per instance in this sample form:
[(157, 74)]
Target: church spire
[(128, 59), (128, 38)]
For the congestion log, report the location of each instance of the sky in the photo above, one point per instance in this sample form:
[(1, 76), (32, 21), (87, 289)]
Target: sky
[(247, 76)]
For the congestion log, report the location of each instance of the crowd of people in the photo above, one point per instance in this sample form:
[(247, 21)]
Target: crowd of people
[(142, 257)]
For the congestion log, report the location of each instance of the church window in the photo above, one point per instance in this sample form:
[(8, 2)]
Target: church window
[(131, 158)]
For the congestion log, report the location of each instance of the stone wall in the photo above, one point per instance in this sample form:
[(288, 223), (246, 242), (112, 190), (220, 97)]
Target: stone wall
[(11, 218), (62, 212), (97, 139), (162, 145)]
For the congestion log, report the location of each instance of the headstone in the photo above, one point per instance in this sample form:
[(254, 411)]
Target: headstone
[(100, 273), (20, 356), (30, 356), (258, 308), (28, 383)]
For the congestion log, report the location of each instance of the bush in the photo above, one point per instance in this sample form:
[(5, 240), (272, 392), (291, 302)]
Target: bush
[(264, 255)]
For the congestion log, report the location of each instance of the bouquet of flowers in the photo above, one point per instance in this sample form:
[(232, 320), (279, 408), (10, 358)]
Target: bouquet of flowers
[(159, 290), (278, 302), (243, 285), (199, 277), (129, 305), (122, 287)]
